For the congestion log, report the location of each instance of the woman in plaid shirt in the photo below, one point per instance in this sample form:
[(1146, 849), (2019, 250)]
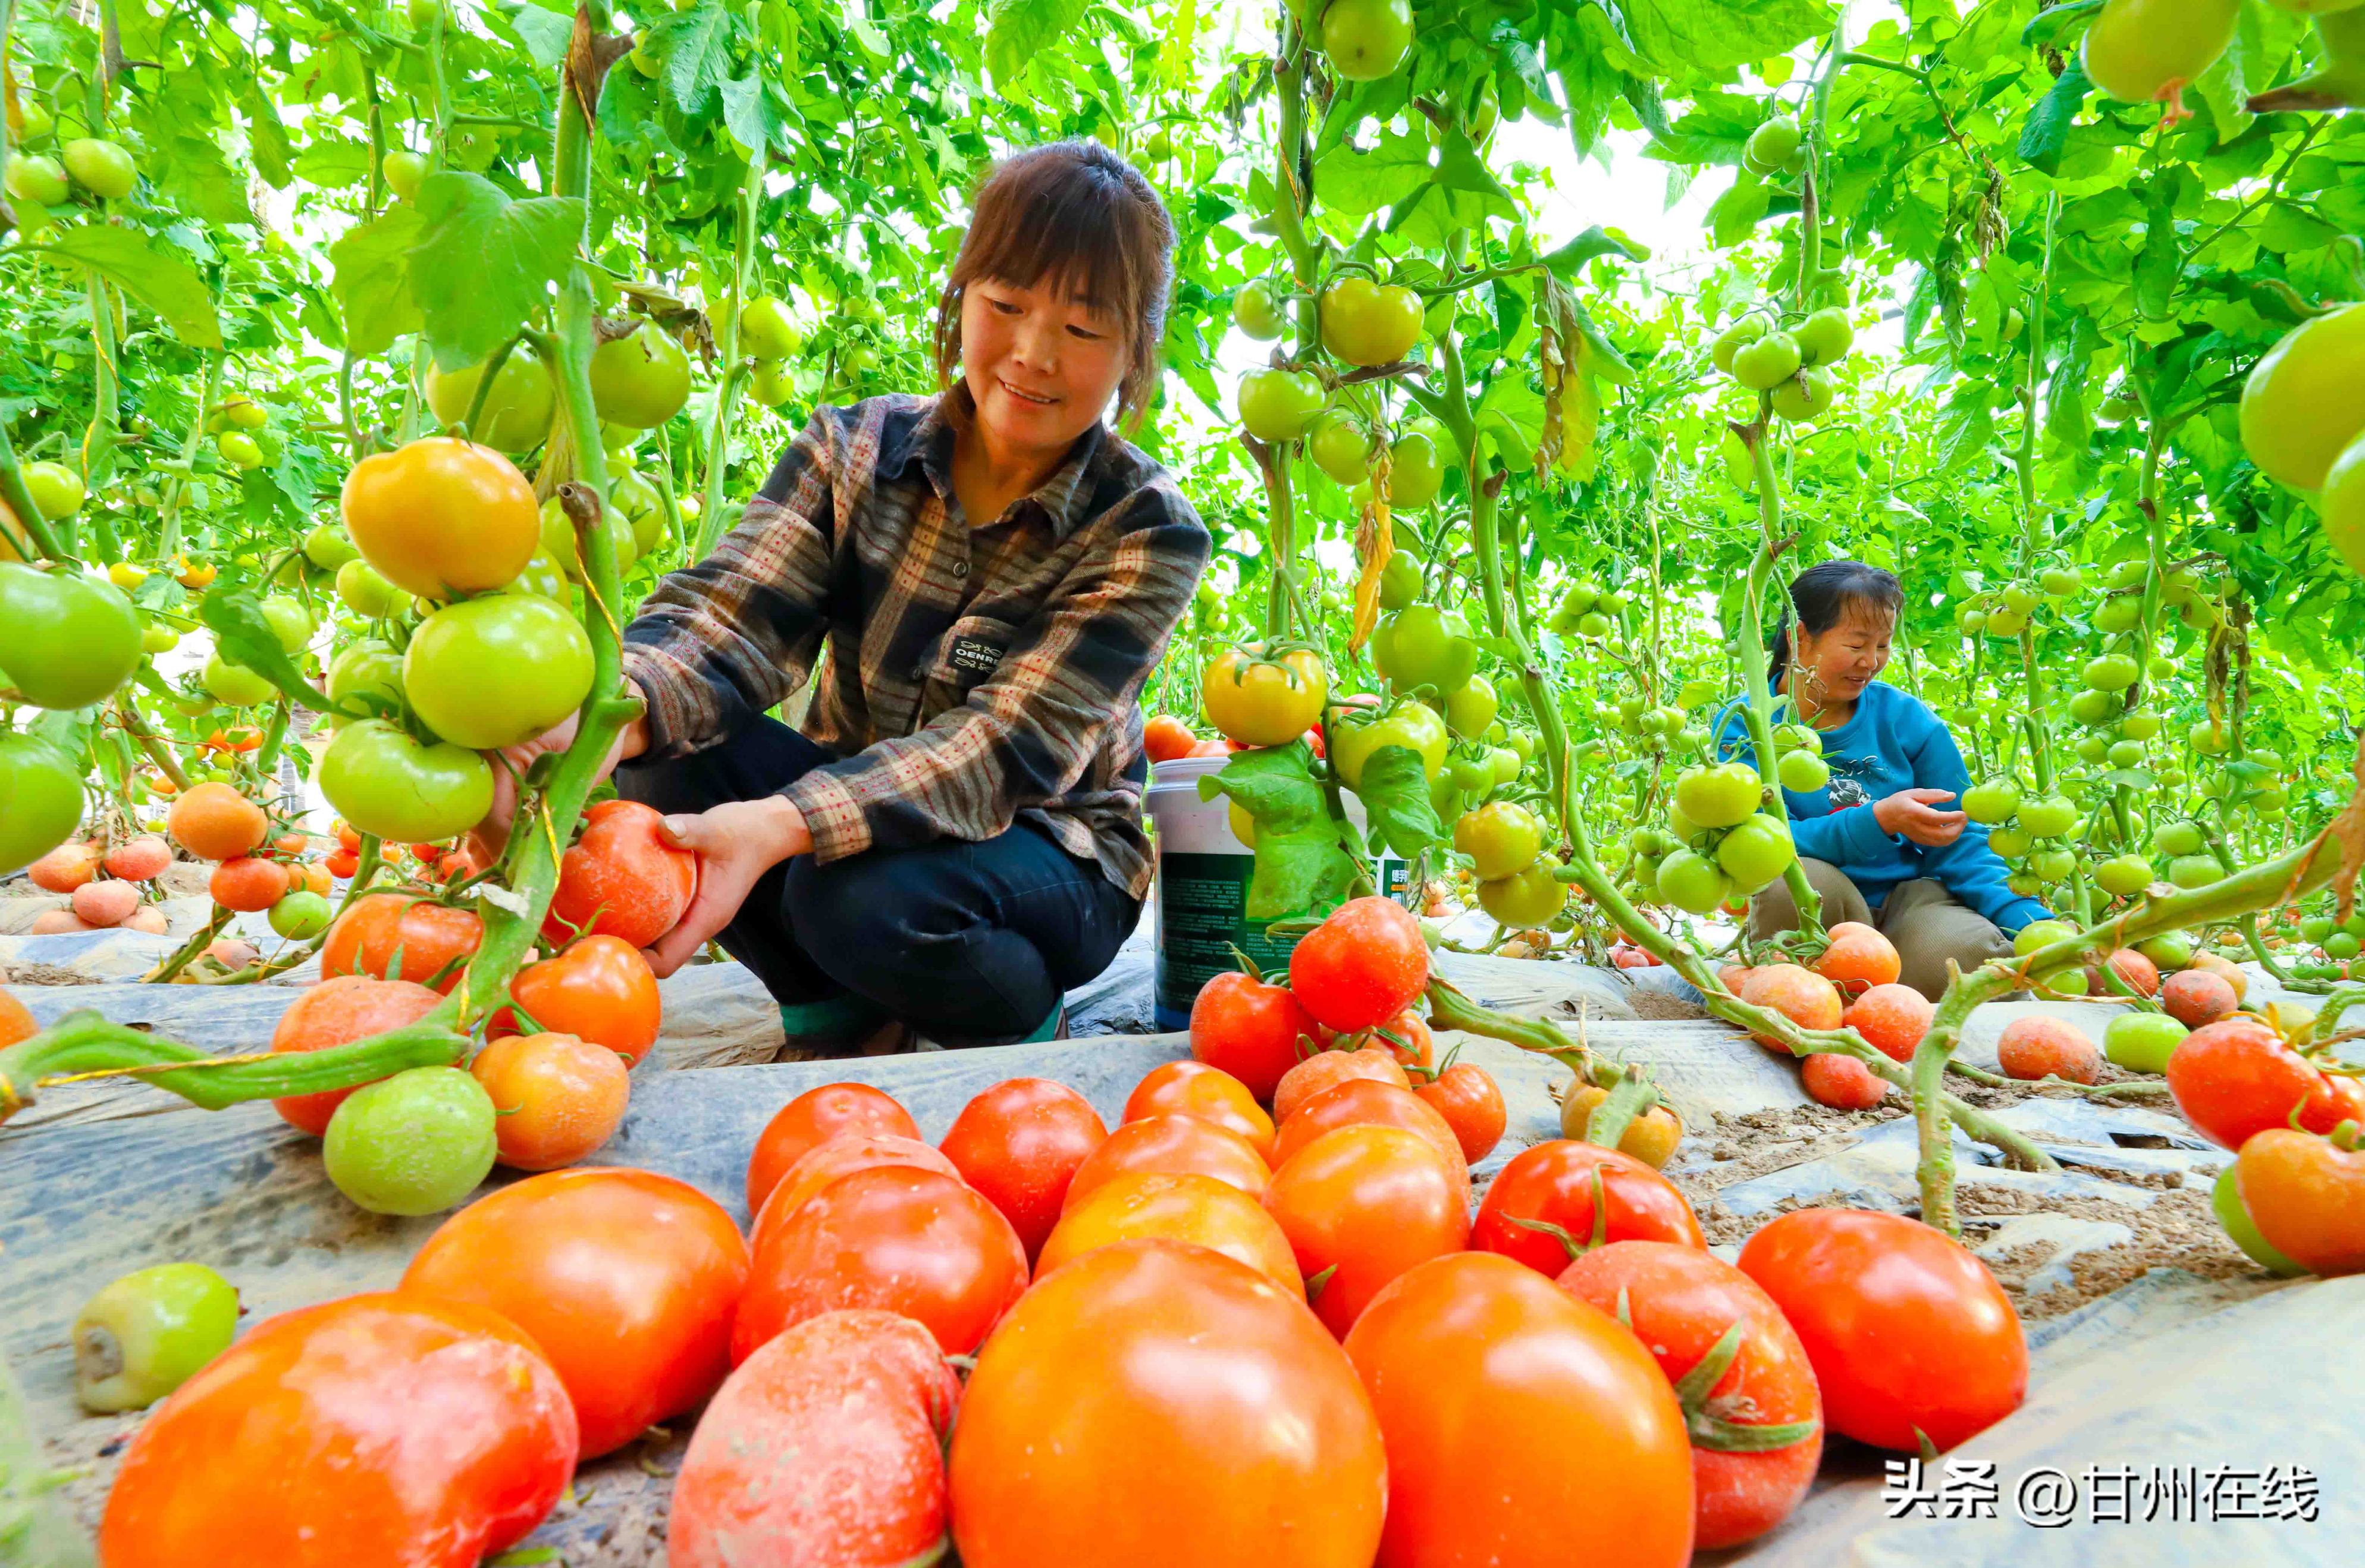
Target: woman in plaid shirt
[(954, 839)]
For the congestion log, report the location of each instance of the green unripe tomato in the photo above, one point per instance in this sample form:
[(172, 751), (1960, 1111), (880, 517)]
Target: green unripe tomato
[(2049, 816), (101, 167), (403, 172), (767, 331), (2124, 613), (2340, 944), (1415, 470), (2142, 1042), (2173, 838), (2060, 582), (300, 915), (239, 450), (2012, 842), (2225, 1202), (2020, 599), (2140, 726), (771, 382), (368, 594), (1803, 772), (368, 668), (155, 639), (1747, 330), (1501, 839), (1774, 148), (142, 1336), (1279, 405), (1525, 898), (1693, 882), (2170, 951), (235, 684), (2124, 876), (328, 548), (290, 621), (1400, 582), (56, 488), (1340, 445), (2189, 871), (2091, 707), (1808, 395), (2092, 748), (641, 379), (1471, 707), (1366, 39), (1764, 365), (1825, 336), (2125, 754), (1991, 801), (2053, 865), (34, 178), (1256, 312), (413, 1144)]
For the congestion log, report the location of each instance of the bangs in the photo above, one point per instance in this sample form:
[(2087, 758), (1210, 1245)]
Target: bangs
[(1069, 236)]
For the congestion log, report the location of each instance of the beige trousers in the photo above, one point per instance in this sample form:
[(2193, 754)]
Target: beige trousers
[(1926, 923)]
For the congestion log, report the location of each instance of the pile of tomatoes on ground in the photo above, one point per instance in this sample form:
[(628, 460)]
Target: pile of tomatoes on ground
[(1256, 1321)]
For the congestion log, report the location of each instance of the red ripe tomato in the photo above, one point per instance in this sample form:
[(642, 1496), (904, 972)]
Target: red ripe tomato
[(812, 1118), (1680, 1302), (1166, 738), (430, 941), (1366, 1203), (1019, 1143), (1908, 1332), (626, 1278), (1468, 1097), (2236, 1077), (1363, 1101), (600, 989), (335, 1012), (1197, 1209), (1202, 1417), (840, 1155), (381, 1429), (1508, 1405), (1250, 1029), (900, 1239), (825, 1446), (1326, 1070), (621, 878), (1554, 1182), (1363, 966), (1418, 1046), (1194, 1089), (1173, 1145)]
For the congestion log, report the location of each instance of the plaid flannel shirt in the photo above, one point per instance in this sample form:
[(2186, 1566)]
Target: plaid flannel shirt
[(978, 672)]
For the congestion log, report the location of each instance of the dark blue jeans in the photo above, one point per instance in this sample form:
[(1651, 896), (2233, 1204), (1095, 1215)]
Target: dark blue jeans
[(968, 943)]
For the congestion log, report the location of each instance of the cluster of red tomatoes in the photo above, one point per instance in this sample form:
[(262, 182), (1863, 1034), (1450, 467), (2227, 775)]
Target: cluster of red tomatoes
[(1265, 1289)]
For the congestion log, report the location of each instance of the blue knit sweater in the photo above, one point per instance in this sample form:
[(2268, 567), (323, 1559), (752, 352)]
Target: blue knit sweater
[(1892, 742)]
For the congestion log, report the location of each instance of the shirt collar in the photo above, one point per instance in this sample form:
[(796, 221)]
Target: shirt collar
[(1062, 497)]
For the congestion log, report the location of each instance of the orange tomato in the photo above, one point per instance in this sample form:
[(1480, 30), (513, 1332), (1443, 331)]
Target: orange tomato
[(1367, 1203), (1504, 1402), (1194, 1089), (441, 516), (384, 1429), (1203, 1417), (1361, 1103), (814, 1118), (841, 1155), (558, 1097), (621, 878), (342, 1009), (1197, 1209), (601, 988), (1173, 1145), (626, 1278)]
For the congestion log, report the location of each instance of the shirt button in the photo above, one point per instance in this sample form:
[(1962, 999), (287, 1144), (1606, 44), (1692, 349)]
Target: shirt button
[(960, 568)]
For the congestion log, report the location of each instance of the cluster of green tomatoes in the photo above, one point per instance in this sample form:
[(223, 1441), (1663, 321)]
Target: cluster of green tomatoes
[(1791, 364), (1716, 846)]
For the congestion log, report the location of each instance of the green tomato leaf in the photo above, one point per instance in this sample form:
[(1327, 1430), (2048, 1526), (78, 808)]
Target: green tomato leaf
[(484, 264), (2046, 130), (2048, 26), (1710, 37), (162, 283), (1301, 862), (233, 614), (544, 33), (1018, 30), (2161, 260), (1564, 261), (1357, 184), (373, 286), (694, 47), (1396, 801), (2067, 419)]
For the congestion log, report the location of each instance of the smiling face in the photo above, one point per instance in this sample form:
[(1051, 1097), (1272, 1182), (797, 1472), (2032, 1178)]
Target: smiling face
[(1041, 364), (1843, 660)]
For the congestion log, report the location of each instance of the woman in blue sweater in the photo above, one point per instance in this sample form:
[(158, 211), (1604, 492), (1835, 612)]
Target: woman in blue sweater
[(1880, 842)]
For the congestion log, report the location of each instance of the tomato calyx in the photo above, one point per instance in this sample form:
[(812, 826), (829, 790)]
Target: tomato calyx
[(1707, 1428), (1560, 1233)]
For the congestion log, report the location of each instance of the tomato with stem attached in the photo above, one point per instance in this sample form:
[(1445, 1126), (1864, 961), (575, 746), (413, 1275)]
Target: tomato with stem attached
[(1260, 699), (384, 782), (600, 988), (1562, 1196), (147, 1333), (439, 516)]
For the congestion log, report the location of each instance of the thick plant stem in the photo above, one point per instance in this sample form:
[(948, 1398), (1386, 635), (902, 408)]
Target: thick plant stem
[(1757, 680), (86, 1044)]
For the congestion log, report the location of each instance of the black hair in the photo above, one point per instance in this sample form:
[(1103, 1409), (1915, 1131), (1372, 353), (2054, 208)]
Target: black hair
[(1825, 594)]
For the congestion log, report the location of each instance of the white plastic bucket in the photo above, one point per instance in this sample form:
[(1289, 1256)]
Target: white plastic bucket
[(1203, 883)]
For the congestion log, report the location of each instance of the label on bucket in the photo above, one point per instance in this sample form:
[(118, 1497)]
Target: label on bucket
[(1203, 915)]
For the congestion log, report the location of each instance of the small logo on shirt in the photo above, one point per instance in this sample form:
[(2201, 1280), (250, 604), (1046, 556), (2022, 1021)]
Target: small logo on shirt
[(975, 656), (1846, 792)]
